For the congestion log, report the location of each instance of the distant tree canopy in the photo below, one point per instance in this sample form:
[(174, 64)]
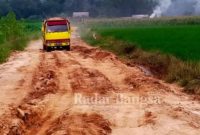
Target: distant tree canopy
[(97, 8)]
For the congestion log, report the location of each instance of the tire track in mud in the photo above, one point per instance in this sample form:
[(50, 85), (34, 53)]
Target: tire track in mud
[(82, 79), (45, 80), (34, 116), (90, 81), (29, 116)]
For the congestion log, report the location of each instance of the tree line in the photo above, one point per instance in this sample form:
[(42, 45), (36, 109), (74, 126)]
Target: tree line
[(97, 8)]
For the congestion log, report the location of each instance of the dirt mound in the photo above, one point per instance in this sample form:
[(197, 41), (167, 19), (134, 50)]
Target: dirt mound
[(95, 53), (80, 124), (44, 83), (144, 82), (149, 118), (88, 81), (24, 120), (180, 113), (84, 50), (99, 55)]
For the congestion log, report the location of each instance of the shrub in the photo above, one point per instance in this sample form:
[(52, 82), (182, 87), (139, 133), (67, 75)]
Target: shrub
[(14, 34)]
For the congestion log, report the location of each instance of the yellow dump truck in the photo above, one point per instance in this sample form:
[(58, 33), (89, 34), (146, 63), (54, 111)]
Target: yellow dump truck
[(56, 34)]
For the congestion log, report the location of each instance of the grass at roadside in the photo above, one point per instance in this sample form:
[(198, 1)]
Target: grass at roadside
[(169, 50), (14, 34)]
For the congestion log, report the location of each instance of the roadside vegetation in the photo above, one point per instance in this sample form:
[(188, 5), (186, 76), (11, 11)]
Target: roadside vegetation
[(14, 34), (168, 47)]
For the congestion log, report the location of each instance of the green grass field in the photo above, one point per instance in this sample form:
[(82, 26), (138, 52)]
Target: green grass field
[(181, 41)]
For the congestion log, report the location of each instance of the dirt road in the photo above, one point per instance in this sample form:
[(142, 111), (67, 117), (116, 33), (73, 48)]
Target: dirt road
[(88, 91)]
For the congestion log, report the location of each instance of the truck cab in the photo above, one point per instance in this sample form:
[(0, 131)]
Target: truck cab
[(56, 34)]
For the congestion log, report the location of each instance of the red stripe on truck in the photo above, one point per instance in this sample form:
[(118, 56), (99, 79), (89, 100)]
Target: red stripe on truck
[(52, 23)]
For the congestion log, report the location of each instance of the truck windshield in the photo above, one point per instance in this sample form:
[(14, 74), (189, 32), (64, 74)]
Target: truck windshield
[(57, 28)]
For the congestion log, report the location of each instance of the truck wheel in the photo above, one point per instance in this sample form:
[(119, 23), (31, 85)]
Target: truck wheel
[(44, 48), (48, 49), (68, 48)]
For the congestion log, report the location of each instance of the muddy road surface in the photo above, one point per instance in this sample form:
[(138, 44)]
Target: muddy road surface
[(88, 91)]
